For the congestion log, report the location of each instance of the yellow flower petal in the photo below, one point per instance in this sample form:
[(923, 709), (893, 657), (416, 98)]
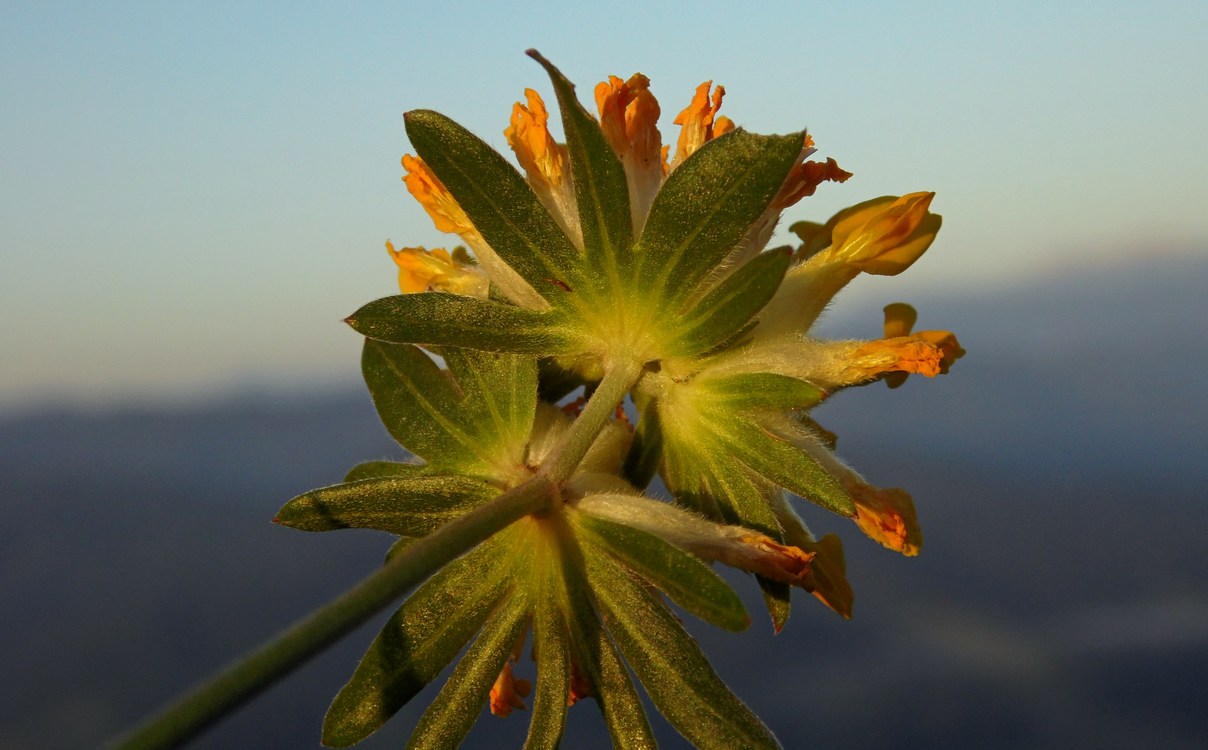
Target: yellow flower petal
[(899, 320), (629, 116), (436, 199), (421, 270), (545, 161), (448, 216), (761, 554), (884, 236), (909, 354)]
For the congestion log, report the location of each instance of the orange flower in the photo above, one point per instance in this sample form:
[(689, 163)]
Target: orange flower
[(887, 516), (528, 134), (507, 693), (629, 116), (805, 178), (899, 320), (436, 199), (699, 123)]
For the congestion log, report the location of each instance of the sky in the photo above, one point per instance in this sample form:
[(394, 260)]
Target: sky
[(194, 195)]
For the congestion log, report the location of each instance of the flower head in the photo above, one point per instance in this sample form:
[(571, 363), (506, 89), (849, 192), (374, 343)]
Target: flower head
[(605, 265)]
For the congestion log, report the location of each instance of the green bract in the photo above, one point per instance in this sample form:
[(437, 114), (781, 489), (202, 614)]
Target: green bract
[(563, 573)]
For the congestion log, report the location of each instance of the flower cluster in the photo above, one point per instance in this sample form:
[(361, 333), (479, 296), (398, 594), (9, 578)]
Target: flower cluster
[(609, 272)]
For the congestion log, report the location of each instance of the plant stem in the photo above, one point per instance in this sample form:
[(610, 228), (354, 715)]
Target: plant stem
[(290, 649), (212, 700), (603, 402)]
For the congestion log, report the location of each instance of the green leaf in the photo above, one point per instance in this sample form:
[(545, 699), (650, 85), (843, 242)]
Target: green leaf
[(777, 597), (686, 467), (447, 721), (418, 641), (670, 665), (646, 450), (499, 396), (730, 482), (601, 189), (786, 465), (407, 506), (706, 206), (399, 545), (596, 657), (440, 319), (418, 403), (499, 202), (726, 308), (761, 390), (551, 644), (685, 579), (379, 469)]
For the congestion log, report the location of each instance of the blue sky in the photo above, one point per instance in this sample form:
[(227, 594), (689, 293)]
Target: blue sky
[(195, 194)]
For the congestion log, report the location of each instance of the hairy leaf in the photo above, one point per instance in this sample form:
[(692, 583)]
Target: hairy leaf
[(706, 206), (407, 506), (601, 190), (418, 403), (440, 319), (499, 395), (378, 469), (551, 644), (761, 390), (786, 465), (418, 641), (676, 675), (499, 202), (596, 658), (685, 579), (447, 721), (726, 308)]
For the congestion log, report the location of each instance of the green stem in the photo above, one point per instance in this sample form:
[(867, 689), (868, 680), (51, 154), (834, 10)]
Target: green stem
[(240, 682), (291, 648), (600, 407)]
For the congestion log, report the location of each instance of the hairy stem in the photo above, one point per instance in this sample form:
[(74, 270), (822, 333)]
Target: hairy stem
[(603, 402), (291, 648)]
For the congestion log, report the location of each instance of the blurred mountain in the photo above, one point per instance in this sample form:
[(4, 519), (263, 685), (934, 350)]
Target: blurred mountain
[(1058, 602)]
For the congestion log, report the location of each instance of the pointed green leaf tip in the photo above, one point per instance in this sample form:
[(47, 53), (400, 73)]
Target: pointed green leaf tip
[(601, 191), (440, 319), (407, 506)]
